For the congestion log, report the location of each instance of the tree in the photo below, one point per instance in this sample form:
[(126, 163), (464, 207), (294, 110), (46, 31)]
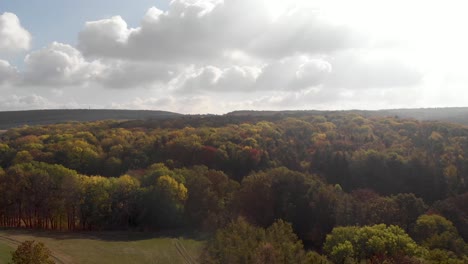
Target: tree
[(454, 209), (288, 246), (31, 252), (164, 203), (364, 243), (436, 232), (410, 207), (210, 196), (95, 204), (236, 244), (241, 242), (124, 196)]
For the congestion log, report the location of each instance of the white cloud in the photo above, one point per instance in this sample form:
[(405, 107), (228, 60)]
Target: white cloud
[(302, 31), (214, 79), (58, 65), (199, 31), (104, 37), (288, 74), (214, 56), (294, 73), (19, 102), (8, 73), (61, 65), (371, 69), (178, 104), (128, 74), (13, 37)]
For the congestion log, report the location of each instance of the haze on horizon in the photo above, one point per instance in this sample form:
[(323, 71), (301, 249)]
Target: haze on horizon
[(215, 56)]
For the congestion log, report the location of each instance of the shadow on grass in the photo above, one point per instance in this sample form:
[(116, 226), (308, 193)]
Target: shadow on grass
[(114, 236)]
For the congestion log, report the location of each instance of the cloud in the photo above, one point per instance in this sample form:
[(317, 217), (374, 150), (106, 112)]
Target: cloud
[(294, 73), (58, 65), (200, 31), (214, 79), (8, 73), (128, 74), (304, 31), (61, 65), (367, 70), (202, 56), (13, 37), (288, 74), (19, 102), (236, 46), (105, 37), (178, 104)]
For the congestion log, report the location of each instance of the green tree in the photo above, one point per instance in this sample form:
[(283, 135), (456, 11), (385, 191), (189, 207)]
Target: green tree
[(282, 237), (410, 208), (124, 197), (95, 204), (364, 243), (23, 157), (236, 244), (164, 203), (436, 232), (31, 252), (210, 196), (243, 243)]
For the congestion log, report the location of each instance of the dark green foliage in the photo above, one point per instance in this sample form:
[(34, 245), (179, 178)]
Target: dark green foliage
[(301, 199), (410, 208), (164, 203), (210, 197), (440, 256), (436, 232), (455, 209)]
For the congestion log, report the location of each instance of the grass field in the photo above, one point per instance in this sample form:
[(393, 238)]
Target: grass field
[(108, 247), (5, 253)]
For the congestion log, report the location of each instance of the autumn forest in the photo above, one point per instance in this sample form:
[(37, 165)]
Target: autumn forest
[(332, 187)]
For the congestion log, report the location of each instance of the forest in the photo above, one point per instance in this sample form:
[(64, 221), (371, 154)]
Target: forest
[(299, 188)]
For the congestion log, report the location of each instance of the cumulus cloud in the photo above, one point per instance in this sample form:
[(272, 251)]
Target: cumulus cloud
[(214, 79), (194, 31), (214, 56), (61, 65), (364, 70), (292, 73), (19, 102), (13, 37), (104, 37), (128, 74), (179, 104), (58, 65), (214, 46), (302, 31), (8, 73)]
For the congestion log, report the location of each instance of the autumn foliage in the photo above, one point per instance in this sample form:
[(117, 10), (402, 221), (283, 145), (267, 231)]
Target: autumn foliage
[(316, 172)]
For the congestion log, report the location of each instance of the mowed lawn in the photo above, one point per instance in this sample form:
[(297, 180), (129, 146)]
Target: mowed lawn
[(110, 247), (5, 253)]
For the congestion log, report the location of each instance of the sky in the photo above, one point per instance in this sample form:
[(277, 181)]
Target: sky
[(217, 56)]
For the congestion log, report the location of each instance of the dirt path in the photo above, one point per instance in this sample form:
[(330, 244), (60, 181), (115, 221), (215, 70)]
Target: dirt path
[(13, 242), (183, 252)]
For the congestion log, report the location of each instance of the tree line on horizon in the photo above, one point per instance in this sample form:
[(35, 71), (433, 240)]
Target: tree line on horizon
[(317, 173)]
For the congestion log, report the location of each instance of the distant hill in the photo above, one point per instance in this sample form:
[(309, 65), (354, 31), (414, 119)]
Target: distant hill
[(450, 114), (10, 119)]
